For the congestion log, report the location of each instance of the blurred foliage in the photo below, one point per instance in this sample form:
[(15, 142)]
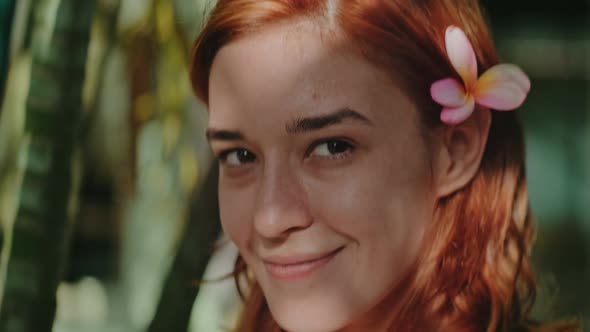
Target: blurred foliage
[(196, 248), (41, 231), (6, 14), (562, 260)]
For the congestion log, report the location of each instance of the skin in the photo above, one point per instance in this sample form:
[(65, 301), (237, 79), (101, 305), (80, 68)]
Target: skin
[(363, 181)]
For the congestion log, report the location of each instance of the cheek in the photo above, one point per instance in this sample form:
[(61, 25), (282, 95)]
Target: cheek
[(235, 214), (381, 198)]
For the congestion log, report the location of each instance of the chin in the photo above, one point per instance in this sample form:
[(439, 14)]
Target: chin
[(309, 317), (299, 323)]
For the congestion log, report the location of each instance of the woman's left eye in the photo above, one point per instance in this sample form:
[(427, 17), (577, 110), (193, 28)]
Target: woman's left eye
[(332, 148)]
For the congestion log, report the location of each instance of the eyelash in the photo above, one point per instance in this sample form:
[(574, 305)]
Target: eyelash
[(222, 156), (336, 156), (350, 147)]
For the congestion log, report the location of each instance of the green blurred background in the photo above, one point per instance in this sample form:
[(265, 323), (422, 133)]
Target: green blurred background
[(107, 188)]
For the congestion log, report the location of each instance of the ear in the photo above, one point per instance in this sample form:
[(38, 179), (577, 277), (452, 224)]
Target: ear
[(460, 151)]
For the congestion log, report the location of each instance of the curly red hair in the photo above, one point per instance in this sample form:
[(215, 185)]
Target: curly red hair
[(474, 272)]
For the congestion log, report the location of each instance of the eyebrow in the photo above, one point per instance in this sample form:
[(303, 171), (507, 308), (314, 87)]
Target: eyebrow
[(223, 135), (297, 126), (319, 122)]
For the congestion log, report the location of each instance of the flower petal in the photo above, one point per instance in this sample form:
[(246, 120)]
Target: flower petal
[(461, 55), (505, 72), (448, 92), (503, 87), (456, 115)]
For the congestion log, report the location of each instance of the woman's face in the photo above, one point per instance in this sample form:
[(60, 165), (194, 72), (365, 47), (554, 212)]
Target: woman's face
[(325, 185)]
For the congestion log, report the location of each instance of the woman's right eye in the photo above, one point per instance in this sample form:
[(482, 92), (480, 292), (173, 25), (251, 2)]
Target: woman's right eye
[(236, 157)]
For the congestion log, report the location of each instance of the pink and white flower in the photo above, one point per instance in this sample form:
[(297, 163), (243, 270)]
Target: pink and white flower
[(503, 87)]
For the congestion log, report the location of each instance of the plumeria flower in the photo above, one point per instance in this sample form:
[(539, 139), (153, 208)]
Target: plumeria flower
[(503, 87)]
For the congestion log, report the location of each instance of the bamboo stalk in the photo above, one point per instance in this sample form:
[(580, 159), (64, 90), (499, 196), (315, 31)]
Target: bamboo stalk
[(47, 203), (6, 16), (181, 287)]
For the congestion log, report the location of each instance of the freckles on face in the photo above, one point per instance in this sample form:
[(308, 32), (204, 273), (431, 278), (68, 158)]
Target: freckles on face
[(324, 180)]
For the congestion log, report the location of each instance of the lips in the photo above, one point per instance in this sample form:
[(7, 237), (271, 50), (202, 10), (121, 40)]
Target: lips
[(297, 266)]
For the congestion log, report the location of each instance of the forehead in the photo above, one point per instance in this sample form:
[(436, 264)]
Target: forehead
[(292, 68)]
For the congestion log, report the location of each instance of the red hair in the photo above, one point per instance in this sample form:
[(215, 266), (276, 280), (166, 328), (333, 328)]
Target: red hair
[(474, 271)]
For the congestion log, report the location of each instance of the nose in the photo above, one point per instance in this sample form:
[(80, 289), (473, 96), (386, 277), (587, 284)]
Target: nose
[(281, 205)]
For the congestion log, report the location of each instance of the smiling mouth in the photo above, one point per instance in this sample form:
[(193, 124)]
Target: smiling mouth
[(293, 268)]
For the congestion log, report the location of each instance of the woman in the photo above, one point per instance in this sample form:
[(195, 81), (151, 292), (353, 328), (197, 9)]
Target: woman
[(366, 175)]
